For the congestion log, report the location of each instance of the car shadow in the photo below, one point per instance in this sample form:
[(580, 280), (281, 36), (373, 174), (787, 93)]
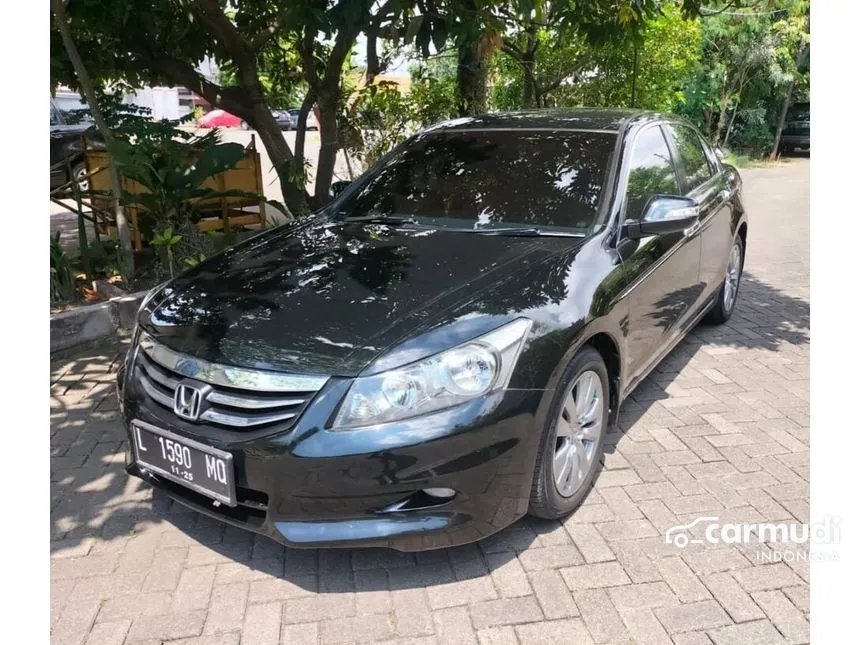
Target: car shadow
[(97, 510)]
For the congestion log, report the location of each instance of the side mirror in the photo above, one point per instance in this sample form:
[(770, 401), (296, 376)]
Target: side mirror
[(337, 187), (664, 214)]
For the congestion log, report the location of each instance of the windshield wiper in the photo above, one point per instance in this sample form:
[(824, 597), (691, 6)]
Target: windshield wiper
[(378, 218), (525, 231)]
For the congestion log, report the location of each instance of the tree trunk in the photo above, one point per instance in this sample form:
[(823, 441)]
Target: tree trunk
[(61, 20), (295, 197), (472, 80), (801, 53), (529, 81), (635, 75), (731, 124), (327, 105), (301, 134), (781, 123)]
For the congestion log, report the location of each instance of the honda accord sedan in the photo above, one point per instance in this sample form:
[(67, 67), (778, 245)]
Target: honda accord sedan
[(443, 348)]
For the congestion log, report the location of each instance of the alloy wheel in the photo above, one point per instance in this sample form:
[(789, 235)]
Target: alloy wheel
[(577, 433), (733, 276), (81, 179)]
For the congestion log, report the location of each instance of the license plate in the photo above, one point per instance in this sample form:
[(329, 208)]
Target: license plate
[(204, 469)]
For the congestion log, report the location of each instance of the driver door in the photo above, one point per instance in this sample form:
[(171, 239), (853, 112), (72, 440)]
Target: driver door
[(662, 270)]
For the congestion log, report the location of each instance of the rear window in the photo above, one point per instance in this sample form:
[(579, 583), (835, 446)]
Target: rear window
[(485, 179)]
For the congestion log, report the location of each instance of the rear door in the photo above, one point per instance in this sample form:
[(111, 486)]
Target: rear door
[(662, 269), (705, 182)]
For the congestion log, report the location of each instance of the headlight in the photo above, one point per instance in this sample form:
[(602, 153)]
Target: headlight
[(454, 376), (143, 303)]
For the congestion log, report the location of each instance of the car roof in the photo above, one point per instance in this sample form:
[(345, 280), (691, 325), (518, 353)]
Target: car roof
[(601, 119)]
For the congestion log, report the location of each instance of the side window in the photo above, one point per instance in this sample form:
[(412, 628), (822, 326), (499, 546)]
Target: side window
[(697, 170), (651, 172)]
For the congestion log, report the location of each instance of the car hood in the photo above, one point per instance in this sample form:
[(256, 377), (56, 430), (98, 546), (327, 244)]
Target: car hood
[(329, 298)]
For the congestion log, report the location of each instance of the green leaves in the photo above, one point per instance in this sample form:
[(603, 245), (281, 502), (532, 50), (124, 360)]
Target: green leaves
[(166, 238)]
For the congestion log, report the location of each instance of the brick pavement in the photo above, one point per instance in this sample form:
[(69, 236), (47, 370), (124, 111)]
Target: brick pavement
[(721, 428)]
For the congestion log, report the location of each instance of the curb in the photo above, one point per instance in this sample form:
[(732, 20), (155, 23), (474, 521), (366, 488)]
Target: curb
[(94, 322)]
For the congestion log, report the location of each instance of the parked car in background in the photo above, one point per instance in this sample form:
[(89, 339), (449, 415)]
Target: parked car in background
[(283, 119), (221, 119), (444, 347), (67, 146), (310, 123), (795, 132)]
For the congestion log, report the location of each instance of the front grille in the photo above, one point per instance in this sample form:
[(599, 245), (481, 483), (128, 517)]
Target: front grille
[(243, 405)]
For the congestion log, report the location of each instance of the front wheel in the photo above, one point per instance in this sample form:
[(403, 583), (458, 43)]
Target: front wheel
[(572, 441), (79, 175), (728, 295)]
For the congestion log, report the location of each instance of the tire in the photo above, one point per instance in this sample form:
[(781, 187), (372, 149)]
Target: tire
[(550, 499), (244, 125), (80, 170), (722, 309)]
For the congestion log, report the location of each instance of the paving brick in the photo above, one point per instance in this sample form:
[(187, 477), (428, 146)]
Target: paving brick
[(412, 613), (194, 589), (454, 627), (227, 608), (600, 616), (799, 596), (75, 621), (318, 607), (732, 597), (692, 616), (593, 576), (715, 560), (262, 624), (555, 631), (784, 615), (372, 595), (770, 576), (300, 634), (681, 580), (590, 543), (759, 632), (553, 594), (357, 629), (109, 633), (644, 595), (167, 626), (626, 530), (497, 636), (463, 592), (134, 605), (644, 627), (692, 638), (273, 589), (508, 576), (621, 505), (552, 557), (506, 611)]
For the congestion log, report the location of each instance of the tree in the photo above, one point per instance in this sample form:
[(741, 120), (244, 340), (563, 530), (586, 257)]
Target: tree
[(161, 42), (61, 20), (647, 71), (547, 44), (748, 60)]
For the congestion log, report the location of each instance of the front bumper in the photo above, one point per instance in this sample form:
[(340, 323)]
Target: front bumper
[(311, 487)]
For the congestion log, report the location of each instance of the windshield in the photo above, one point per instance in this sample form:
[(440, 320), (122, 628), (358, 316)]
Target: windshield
[(490, 179)]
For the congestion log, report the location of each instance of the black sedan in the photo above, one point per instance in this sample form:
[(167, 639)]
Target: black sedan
[(442, 349)]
